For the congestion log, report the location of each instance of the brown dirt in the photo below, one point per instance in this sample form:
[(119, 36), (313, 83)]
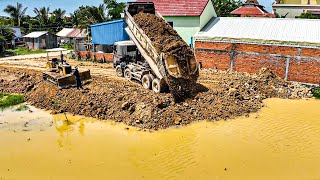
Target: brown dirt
[(221, 95), (166, 40)]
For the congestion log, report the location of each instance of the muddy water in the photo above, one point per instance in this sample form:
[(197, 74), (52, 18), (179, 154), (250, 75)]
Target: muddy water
[(282, 141)]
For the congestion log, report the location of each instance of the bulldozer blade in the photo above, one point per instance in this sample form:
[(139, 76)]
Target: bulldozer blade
[(85, 75), (69, 80), (66, 81)]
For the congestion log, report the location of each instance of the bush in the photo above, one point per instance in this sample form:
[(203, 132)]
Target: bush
[(8, 100), (23, 108), (68, 46), (316, 93)]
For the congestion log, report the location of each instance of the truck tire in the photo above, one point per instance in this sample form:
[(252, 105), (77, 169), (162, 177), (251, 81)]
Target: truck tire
[(146, 81), (119, 71), (127, 74), (157, 86)]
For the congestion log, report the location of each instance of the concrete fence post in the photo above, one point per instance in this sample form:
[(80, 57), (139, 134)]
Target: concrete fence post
[(287, 69), (232, 55)]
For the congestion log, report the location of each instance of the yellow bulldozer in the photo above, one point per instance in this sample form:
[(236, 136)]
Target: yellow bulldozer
[(59, 72)]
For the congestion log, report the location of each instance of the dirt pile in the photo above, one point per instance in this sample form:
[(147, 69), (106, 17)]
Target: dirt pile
[(18, 81), (166, 40), (221, 95)]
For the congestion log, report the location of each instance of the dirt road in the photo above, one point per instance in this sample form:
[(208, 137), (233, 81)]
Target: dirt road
[(218, 95)]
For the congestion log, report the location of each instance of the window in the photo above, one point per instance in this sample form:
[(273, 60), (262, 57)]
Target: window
[(171, 23)]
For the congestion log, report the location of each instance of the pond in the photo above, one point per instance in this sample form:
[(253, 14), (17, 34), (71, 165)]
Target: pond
[(282, 141)]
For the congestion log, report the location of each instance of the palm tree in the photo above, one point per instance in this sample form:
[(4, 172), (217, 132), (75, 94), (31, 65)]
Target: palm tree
[(42, 15), (16, 12), (57, 17)]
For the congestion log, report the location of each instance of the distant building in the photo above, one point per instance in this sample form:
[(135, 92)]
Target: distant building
[(185, 16), (41, 40), (104, 35), (251, 8), (71, 34), (17, 32), (293, 8), (289, 47)]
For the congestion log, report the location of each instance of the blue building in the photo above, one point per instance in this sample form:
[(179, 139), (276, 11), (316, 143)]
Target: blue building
[(109, 32)]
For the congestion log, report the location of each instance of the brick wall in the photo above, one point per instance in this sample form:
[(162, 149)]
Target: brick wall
[(292, 63), (101, 57)]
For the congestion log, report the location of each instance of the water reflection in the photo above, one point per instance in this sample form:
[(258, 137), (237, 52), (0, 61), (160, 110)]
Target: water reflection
[(66, 125)]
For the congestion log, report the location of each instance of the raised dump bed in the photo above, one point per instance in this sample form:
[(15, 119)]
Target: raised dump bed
[(171, 60)]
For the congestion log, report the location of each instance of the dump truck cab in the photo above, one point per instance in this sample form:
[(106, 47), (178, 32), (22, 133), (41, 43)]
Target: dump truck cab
[(124, 52)]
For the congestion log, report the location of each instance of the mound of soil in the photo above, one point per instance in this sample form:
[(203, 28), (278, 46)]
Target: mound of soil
[(166, 40), (221, 95)]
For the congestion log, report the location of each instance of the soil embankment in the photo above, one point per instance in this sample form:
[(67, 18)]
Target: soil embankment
[(221, 95)]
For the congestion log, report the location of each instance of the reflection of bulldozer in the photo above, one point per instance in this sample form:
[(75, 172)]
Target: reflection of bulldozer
[(60, 72)]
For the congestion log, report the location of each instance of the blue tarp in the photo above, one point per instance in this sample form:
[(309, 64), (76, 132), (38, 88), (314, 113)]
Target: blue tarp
[(109, 32)]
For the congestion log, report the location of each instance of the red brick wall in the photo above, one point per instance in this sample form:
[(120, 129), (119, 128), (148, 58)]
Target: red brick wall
[(253, 63), (303, 67), (304, 70), (310, 52), (98, 56), (267, 49), (216, 46), (220, 60)]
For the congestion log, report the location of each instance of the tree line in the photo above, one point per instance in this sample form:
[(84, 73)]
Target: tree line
[(56, 19)]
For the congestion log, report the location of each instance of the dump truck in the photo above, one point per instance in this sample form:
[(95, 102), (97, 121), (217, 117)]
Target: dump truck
[(139, 60), (59, 72)]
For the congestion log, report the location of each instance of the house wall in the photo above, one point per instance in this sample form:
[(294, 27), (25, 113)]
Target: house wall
[(186, 26), (51, 41), (299, 64), (312, 2), (292, 11), (207, 14), (43, 42)]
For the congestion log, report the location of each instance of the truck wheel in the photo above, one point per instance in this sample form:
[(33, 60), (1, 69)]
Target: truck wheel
[(127, 74), (157, 86), (119, 71), (146, 81)]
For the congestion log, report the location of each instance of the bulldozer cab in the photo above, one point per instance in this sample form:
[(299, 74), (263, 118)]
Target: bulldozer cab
[(53, 64)]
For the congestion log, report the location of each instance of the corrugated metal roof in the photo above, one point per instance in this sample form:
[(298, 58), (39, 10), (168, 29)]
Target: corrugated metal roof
[(109, 32), (105, 23), (35, 34), (292, 31), (64, 32), (72, 33), (179, 7)]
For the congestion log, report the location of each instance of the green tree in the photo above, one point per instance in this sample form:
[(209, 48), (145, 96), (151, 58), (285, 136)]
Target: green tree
[(57, 18), (42, 15), (281, 16), (114, 9), (16, 12), (6, 34), (307, 15), (225, 7), (87, 15)]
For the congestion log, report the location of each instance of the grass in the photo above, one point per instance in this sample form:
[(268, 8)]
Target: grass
[(68, 46), (8, 100), (23, 107), (316, 93), (24, 51)]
